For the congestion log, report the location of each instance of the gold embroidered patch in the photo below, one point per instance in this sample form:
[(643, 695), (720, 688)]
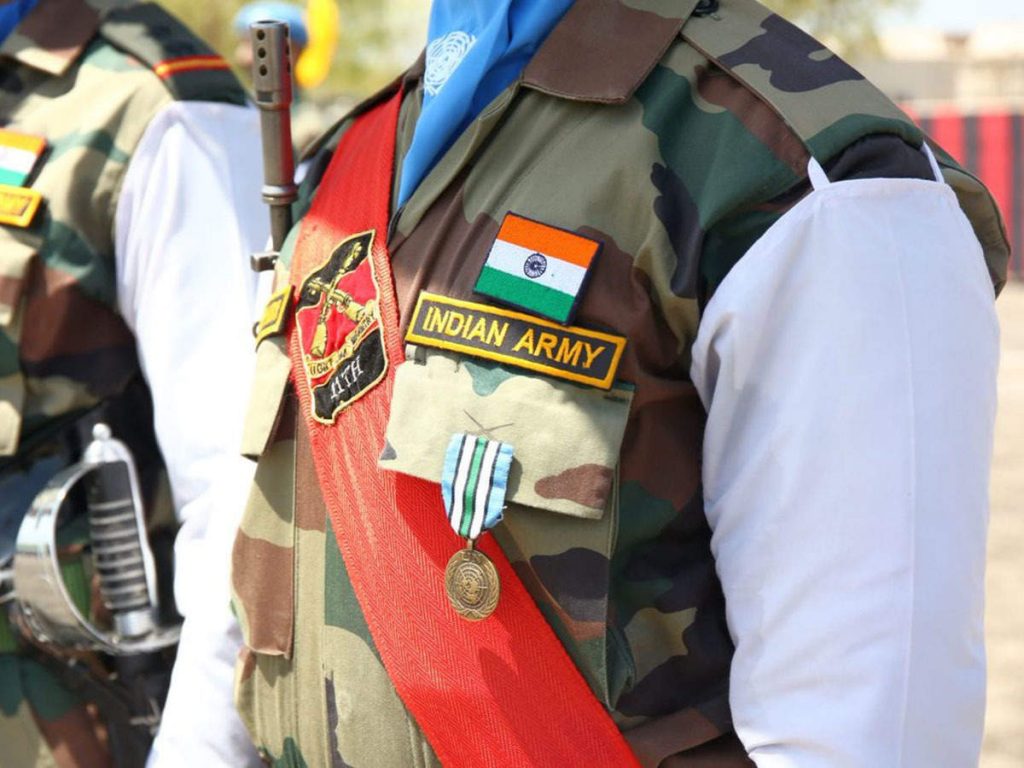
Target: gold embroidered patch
[(572, 353), (275, 315), (18, 206), (340, 334)]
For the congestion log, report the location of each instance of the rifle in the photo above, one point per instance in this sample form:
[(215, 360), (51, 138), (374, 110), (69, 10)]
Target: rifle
[(272, 86)]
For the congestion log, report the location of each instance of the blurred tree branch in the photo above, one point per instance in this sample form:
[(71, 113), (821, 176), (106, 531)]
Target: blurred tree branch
[(368, 54), (847, 25), (371, 48)]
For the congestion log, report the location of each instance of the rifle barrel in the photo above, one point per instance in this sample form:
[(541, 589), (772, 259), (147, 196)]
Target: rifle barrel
[(272, 83)]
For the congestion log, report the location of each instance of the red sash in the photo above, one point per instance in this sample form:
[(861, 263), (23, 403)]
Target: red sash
[(499, 692)]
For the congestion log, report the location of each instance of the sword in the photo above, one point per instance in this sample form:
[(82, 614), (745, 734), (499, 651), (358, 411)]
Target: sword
[(129, 689)]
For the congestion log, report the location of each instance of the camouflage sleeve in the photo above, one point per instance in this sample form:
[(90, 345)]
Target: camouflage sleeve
[(183, 64), (880, 156)]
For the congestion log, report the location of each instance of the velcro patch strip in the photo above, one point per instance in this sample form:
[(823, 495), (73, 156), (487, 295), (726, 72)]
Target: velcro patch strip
[(275, 315), (18, 206), (575, 354), (171, 67)]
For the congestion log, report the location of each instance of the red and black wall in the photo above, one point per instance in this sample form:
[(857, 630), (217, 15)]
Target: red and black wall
[(991, 146)]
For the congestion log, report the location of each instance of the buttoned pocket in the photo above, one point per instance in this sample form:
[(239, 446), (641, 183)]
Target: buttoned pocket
[(561, 518), (566, 437)]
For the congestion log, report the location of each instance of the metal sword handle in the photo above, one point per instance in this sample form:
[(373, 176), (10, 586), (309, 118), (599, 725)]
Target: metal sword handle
[(117, 527), (121, 556), (272, 83)]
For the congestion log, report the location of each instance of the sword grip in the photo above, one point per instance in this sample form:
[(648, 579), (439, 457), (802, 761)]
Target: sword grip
[(120, 550)]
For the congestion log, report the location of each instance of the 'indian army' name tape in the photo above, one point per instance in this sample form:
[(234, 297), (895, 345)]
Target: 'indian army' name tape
[(572, 353)]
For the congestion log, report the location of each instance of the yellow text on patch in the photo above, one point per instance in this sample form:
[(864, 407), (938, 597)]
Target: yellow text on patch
[(576, 354), (18, 206)]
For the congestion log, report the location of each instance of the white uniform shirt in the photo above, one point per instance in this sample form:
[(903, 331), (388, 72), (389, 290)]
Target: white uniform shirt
[(848, 365), (188, 217)]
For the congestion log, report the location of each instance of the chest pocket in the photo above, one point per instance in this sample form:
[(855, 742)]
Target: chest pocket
[(561, 518), (566, 437), (16, 257)]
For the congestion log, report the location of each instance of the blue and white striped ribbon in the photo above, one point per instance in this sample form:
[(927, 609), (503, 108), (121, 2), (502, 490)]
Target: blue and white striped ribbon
[(474, 483)]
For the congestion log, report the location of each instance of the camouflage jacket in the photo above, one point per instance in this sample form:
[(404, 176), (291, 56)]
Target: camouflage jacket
[(676, 133), (87, 76)]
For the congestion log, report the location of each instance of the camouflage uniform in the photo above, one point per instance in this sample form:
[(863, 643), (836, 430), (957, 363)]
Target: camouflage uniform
[(87, 76), (676, 133)]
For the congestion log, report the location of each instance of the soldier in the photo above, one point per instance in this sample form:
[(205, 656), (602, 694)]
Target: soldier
[(128, 208), (627, 398)]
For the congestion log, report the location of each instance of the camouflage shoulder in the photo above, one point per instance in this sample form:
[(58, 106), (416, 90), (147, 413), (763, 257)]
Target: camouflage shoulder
[(186, 66), (825, 101)]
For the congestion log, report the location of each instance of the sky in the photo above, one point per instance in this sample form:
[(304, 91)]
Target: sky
[(958, 15)]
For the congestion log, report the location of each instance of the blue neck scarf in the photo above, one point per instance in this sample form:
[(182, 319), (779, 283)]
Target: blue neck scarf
[(11, 15), (477, 49)]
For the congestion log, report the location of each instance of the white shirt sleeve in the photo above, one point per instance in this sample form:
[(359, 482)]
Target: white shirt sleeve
[(848, 366), (188, 217)]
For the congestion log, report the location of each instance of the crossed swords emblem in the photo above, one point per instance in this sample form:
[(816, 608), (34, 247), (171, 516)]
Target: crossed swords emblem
[(336, 298)]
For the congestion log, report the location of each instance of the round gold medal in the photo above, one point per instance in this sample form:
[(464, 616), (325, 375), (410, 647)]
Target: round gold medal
[(471, 581)]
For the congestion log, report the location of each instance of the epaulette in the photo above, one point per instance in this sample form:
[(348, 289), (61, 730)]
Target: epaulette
[(188, 68), (827, 103)]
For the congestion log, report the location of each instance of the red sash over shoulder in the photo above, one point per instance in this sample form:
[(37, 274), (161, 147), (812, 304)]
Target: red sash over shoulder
[(499, 692)]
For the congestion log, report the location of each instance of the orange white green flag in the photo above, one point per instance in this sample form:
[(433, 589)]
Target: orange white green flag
[(538, 268), (19, 153)]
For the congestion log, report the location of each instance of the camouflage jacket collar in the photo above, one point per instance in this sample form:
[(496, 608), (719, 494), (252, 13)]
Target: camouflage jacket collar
[(602, 50), (53, 35)]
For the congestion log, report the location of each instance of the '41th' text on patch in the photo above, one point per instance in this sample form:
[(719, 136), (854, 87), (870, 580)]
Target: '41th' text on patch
[(575, 354), (339, 328)]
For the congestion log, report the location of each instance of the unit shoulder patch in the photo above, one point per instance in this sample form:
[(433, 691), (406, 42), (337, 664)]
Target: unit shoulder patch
[(338, 321), (575, 354)]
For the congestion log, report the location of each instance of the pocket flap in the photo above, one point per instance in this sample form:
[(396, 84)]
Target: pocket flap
[(566, 437)]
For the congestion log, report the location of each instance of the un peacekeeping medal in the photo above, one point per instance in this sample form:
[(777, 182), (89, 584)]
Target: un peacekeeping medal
[(472, 583), (473, 486)]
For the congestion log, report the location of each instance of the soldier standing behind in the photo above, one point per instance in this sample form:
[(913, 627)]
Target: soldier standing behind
[(129, 207), (685, 312)]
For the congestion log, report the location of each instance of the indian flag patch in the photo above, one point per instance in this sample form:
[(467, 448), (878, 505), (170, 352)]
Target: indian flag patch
[(19, 153), (539, 268)]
